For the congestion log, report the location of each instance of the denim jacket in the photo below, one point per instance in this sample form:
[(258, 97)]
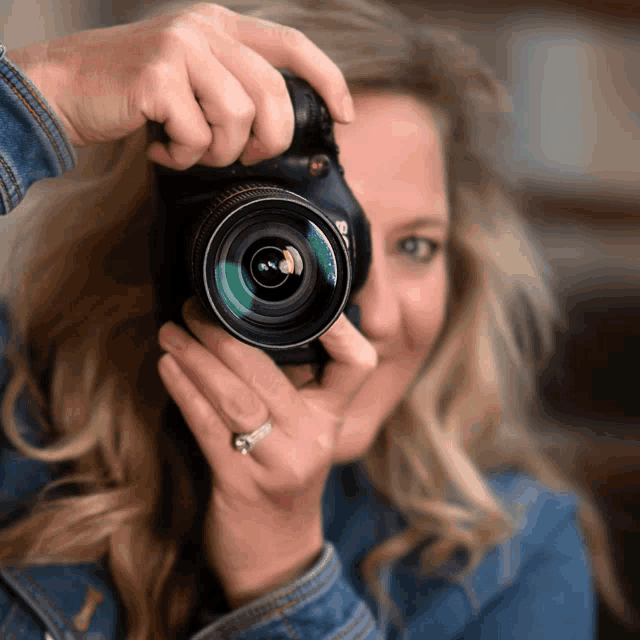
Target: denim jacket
[(537, 584), (33, 143)]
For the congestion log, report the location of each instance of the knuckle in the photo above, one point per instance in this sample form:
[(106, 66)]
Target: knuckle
[(198, 8), (202, 139), (199, 140), (172, 37), (220, 15), (367, 359), (322, 455), (194, 400), (277, 138), (302, 467), (277, 85), (275, 147), (193, 13), (241, 404), (290, 393), (159, 72), (240, 110), (211, 9), (201, 331), (297, 475), (283, 143), (246, 111), (227, 347), (290, 37)]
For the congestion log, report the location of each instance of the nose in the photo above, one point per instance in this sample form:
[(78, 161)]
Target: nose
[(378, 302)]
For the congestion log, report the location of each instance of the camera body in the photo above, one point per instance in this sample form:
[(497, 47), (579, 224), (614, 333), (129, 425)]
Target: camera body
[(273, 252)]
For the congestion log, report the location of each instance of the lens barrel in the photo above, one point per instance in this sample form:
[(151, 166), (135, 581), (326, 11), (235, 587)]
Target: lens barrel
[(270, 265)]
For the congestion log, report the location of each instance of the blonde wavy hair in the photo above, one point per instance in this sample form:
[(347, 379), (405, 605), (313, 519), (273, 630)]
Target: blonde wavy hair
[(131, 493)]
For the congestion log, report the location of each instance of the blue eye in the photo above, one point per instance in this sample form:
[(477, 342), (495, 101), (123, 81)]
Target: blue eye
[(418, 248)]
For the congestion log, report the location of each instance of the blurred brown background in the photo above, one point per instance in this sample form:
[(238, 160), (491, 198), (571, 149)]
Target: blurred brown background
[(572, 149)]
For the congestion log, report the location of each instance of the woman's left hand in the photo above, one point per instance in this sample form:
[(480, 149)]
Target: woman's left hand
[(264, 522)]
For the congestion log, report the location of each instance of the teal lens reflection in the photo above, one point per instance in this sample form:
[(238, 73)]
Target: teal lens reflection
[(237, 295), (325, 258)]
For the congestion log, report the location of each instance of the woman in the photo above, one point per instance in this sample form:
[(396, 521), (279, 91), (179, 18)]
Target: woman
[(407, 481)]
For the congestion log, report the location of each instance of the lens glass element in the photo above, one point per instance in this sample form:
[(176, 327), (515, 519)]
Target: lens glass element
[(269, 268)]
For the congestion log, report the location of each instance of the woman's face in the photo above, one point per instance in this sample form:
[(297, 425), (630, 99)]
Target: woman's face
[(394, 163)]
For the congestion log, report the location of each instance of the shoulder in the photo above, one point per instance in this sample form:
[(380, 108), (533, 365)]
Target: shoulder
[(543, 565), (538, 510), (547, 543)]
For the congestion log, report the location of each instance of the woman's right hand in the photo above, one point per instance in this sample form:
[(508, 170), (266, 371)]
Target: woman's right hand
[(207, 73)]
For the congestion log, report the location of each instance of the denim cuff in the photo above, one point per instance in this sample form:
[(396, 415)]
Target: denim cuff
[(321, 605), (33, 142)]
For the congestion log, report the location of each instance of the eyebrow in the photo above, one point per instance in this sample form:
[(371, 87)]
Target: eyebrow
[(419, 223)]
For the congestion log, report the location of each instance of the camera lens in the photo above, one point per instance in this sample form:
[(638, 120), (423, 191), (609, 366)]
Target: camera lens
[(271, 266)]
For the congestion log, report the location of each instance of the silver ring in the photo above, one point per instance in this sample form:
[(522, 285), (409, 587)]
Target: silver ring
[(245, 442)]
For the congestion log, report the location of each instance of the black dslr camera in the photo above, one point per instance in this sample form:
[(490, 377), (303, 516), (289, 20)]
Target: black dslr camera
[(273, 252)]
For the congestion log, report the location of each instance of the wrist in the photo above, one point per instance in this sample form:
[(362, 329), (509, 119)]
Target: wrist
[(33, 63), (244, 589)]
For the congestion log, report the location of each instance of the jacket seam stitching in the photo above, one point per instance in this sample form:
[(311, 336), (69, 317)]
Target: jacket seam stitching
[(327, 578), (33, 112), (354, 624), (285, 607), (282, 609), (10, 616), (309, 594), (40, 600), (19, 588), (290, 629), (12, 177)]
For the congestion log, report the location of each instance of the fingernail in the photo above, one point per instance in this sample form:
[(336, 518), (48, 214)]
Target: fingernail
[(348, 109), (170, 337)]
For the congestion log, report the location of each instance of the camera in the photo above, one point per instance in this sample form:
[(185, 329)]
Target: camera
[(273, 252)]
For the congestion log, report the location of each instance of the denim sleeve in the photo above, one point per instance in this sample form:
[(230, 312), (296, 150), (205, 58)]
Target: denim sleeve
[(553, 599), (322, 605), (33, 142)]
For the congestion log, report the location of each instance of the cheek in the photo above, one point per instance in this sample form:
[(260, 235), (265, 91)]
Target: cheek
[(424, 303)]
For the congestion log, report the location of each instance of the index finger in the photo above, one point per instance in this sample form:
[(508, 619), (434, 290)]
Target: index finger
[(289, 48), (253, 366), (353, 358)]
